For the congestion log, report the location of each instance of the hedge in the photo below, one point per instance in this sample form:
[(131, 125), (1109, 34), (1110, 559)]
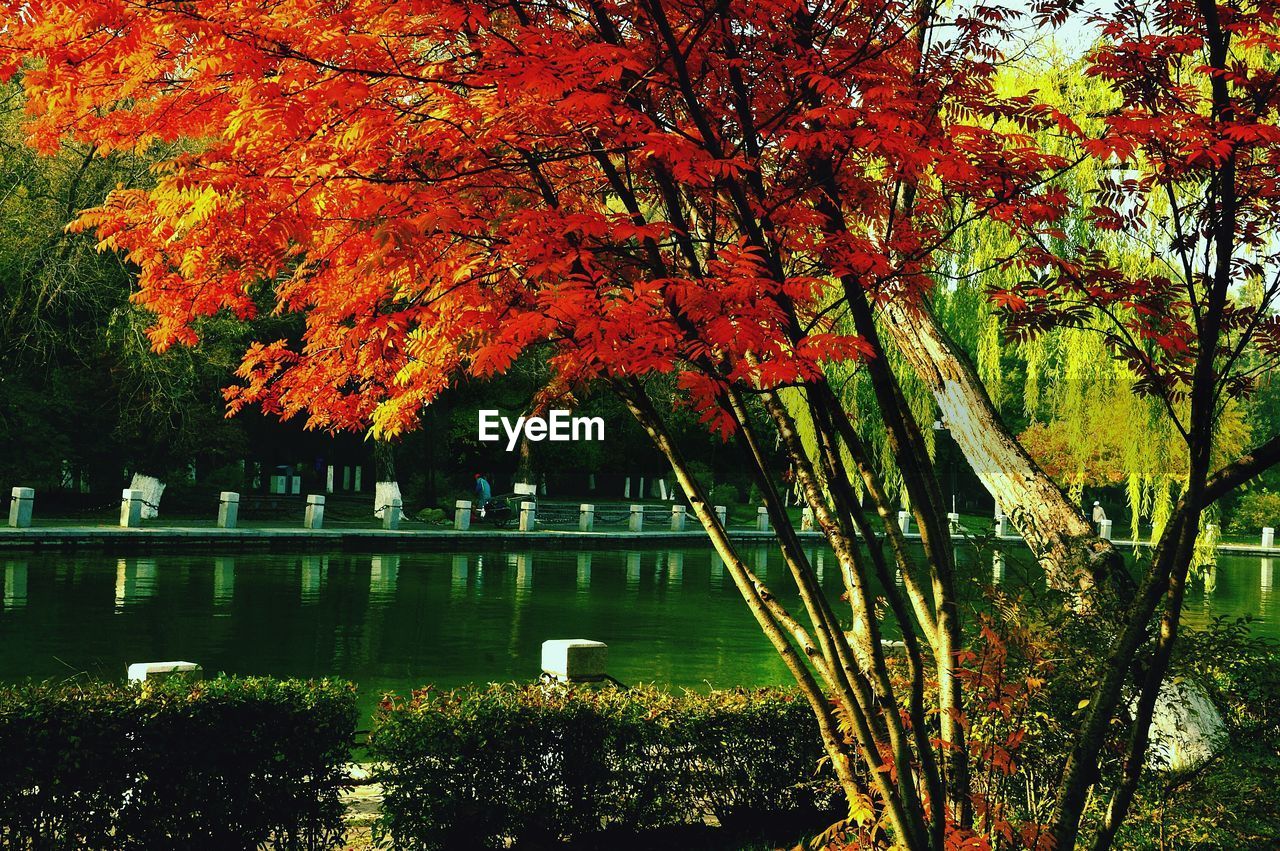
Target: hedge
[(542, 765), (226, 763)]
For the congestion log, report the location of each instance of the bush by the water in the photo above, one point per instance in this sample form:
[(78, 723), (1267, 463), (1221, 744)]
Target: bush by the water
[(226, 763), (1254, 510), (548, 764)]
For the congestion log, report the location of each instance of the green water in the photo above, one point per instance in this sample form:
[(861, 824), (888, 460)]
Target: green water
[(399, 621)]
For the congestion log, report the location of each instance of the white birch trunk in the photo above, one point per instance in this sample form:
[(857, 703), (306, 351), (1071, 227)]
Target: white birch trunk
[(383, 493), (152, 489)]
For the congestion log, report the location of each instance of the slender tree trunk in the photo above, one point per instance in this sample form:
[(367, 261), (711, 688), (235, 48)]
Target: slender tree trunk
[(1067, 545)]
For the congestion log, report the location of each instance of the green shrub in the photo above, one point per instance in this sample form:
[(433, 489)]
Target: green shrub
[(1256, 509), (227, 763), (725, 495), (545, 765), (434, 515)]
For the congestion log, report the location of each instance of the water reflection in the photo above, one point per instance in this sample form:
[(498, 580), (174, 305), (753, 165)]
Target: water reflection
[(135, 581), (383, 572), (15, 584), (1265, 585), (460, 573), (397, 621), (315, 570), (224, 583)]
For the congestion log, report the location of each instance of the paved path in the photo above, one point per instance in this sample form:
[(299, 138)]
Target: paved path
[(427, 540)]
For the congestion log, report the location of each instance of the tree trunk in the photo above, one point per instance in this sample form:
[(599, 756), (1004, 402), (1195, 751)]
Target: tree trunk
[(1068, 547), (152, 488), (386, 487)]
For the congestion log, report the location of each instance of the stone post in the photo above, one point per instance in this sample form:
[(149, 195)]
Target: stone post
[(21, 506), (586, 517), (1002, 526), (130, 508), (228, 510), (462, 515), (806, 519), (722, 514), (314, 516), (1268, 533), (1104, 529), (528, 516), (762, 519), (636, 523), (328, 480), (391, 517), (150, 671), (677, 518), (904, 521)]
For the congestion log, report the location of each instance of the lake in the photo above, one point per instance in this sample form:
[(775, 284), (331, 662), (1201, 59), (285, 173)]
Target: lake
[(396, 621)]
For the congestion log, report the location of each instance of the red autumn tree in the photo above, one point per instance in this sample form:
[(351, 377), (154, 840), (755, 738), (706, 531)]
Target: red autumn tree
[(727, 191), (1192, 156)]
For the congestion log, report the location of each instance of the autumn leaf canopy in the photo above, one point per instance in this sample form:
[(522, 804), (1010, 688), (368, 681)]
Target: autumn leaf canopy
[(440, 186)]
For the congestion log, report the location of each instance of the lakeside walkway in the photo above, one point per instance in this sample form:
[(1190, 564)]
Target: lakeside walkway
[(357, 538)]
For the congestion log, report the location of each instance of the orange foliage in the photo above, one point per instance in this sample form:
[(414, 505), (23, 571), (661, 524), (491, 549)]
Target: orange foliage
[(439, 186)]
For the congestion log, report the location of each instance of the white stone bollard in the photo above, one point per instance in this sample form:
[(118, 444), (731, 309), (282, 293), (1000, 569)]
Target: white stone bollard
[(806, 519), (313, 518), (1104, 530), (636, 523), (358, 472), (130, 508), (391, 517), (21, 506), (140, 672), (328, 480), (462, 515), (762, 519), (228, 510), (528, 516), (677, 518), (722, 514), (953, 522), (586, 517), (1002, 526), (1268, 534), (904, 521), (575, 660)]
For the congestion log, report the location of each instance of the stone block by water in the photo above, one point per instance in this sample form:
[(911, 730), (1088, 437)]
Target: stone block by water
[(21, 507), (395, 510), (677, 518), (228, 510), (462, 515), (575, 660), (143, 671), (130, 508), (314, 516)]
